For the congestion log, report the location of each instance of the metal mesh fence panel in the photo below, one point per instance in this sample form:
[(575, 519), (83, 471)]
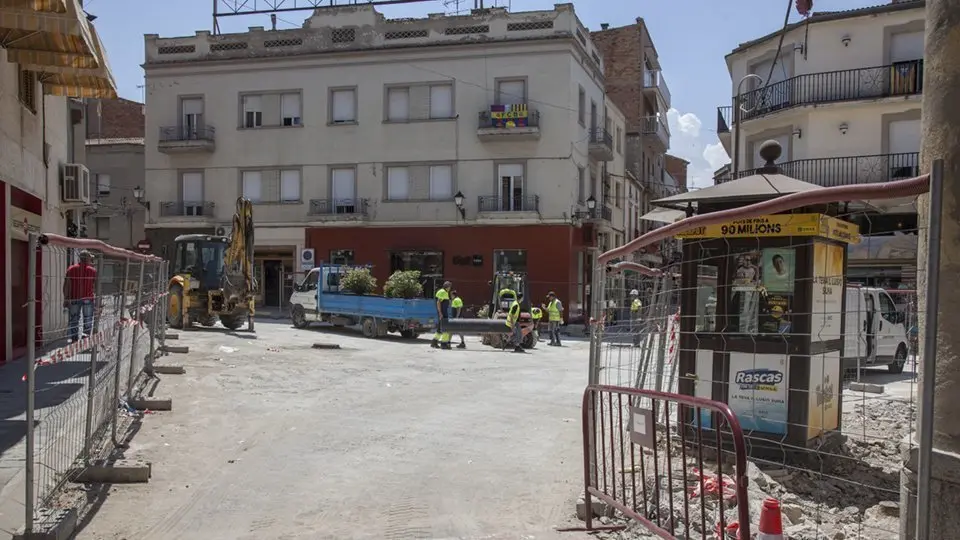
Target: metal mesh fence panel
[(93, 318)]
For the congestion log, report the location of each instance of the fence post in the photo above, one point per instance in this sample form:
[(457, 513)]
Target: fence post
[(116, 372), (33, 243), (155, 299), (94, 356), (138, 318), (162, 324)]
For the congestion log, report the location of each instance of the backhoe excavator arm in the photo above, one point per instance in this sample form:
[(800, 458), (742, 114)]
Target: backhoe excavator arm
[(240, 252)]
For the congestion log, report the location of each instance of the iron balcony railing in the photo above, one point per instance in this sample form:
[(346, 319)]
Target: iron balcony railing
[(653, 78), (603, 212), (656, 125), (331, 207), (186, 209), (486, 119), (495, 203), (187, 133), (600, 135), (724, 118), (843, 171), (897, 79)]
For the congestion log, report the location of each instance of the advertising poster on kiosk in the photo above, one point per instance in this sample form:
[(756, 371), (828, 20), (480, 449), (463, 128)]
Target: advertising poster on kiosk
[(758, 391), (828, 290), (824, 397)]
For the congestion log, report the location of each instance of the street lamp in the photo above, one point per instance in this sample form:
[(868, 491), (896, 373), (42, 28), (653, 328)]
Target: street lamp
[(138, 194), (458, 200), (591, 203)]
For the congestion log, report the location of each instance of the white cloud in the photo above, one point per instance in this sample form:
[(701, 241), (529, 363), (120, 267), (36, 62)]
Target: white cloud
[(697, 146), (688, 123)]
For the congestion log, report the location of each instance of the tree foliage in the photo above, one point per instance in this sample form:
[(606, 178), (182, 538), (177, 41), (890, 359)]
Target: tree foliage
[(403, 284)]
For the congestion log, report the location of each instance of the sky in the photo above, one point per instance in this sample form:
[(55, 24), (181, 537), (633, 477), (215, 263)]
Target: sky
[(691, 36)]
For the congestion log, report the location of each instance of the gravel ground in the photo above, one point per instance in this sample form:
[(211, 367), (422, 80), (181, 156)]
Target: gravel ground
[(851, 493), (384, 439)]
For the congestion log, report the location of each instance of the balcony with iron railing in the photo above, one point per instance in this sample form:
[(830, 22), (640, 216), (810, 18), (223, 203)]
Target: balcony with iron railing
[(517, 203), (656, 125), (180, 139), (892, 80), (655, 85), (848, 170), (187, 209), (600, 146), (508, 122), (338, 208)]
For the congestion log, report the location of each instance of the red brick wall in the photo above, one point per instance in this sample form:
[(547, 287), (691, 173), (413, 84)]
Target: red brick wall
[(622, 52), (119, 119), (677, 168), (551, 249)]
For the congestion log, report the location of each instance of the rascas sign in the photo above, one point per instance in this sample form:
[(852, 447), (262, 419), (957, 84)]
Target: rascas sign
[(780, 225)]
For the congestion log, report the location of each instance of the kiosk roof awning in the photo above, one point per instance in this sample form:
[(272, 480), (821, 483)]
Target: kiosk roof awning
[(756, 187), (664, 215)]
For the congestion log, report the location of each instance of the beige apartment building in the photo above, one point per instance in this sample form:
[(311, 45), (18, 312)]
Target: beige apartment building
[(843, 101), (454, 145)]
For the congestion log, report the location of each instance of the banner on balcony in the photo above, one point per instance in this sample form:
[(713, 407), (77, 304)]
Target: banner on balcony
[(775, 226), (508, 116)]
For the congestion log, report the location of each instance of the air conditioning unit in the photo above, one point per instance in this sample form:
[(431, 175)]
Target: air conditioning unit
[(75, 184)]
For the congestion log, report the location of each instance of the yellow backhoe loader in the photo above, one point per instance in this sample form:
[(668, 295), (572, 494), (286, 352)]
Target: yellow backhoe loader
[(213, 276)]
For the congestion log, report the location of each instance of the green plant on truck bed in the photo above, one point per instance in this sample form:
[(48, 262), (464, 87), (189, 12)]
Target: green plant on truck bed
[(403, 284), (358, 281)]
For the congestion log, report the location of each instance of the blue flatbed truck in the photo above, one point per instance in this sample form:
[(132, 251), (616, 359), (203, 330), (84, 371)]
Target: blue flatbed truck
[(318, 299)]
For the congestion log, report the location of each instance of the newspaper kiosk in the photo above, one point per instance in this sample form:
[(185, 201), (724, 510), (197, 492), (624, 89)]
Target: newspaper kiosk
[(762, 308)]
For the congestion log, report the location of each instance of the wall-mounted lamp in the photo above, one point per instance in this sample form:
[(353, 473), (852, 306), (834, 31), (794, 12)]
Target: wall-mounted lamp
[(845, 40), (138, 194), (798, 48), (458, 200), (843, 128), (591, 203), (798, 132)]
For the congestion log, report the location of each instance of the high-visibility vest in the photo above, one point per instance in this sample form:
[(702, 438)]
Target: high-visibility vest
[(636, 305), (513, 314), (553, 312), (536, 314)]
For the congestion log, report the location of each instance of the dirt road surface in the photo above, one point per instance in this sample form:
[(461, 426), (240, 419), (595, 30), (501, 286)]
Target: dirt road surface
[(385, 439)]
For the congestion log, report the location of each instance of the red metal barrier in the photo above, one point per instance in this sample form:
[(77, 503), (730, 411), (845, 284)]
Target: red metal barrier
[(664, 438)]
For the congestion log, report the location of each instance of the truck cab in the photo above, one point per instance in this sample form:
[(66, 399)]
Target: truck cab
[(303, 301)]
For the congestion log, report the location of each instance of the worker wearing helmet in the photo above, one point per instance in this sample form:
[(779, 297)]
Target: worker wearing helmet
[(635, 306)]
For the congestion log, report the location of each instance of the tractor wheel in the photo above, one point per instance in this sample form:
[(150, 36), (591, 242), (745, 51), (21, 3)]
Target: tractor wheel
[(529, 340), (175, 306), (231, 322), (208, 320)]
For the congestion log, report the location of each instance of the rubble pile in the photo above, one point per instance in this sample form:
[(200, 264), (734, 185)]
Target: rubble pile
[(845, 492)]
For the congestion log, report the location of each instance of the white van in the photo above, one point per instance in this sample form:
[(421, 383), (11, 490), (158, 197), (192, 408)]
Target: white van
[(876, 333)]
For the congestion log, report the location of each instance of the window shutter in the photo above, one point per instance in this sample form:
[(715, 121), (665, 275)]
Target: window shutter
[(441, 101), (441, 182), (398, 183), (398, 104)]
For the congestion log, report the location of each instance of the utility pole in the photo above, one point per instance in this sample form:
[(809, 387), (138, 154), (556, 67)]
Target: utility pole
[(940, 139)]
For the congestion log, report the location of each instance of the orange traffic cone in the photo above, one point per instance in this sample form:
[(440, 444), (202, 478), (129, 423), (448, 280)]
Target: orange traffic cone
[(771, 525)]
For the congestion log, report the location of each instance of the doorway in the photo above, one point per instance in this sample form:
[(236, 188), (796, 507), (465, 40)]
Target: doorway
[(428, 263), (273, 283), (18, 292)]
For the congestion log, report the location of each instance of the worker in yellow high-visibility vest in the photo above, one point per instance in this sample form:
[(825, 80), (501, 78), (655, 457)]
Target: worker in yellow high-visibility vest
[(441, 338), (513, 323), (554, 317), (456, 307), (635, 306)]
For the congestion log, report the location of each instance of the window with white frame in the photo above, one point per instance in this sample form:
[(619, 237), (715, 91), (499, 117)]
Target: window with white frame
[(511, 92), (252, 185), (398, 104), (252, 111), (290, 109), (290, 185), (619, 140), (343, 106), (582, 107), (103, 184), (441, 182), (581, 184), (398, 183), (441, 101), (511, 196)]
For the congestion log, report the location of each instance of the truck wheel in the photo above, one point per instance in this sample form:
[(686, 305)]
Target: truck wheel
[(898, 361), (175, 306), (232, 322), (409, 334), (299, 316), (369, 327)]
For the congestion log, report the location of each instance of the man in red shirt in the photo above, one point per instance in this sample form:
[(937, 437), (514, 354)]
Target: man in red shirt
[(78, 293)]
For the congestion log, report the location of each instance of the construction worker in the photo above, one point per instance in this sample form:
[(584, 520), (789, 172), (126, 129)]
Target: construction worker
[(456, 306), (513, 323), (536, 314), (554, 317), (635, 306), (441, 338)]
